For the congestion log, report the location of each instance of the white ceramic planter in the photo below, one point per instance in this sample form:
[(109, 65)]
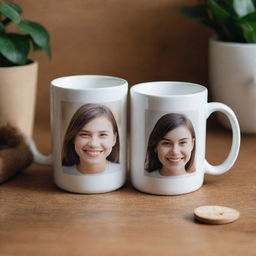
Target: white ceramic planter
[(17, 97), (232, 71)]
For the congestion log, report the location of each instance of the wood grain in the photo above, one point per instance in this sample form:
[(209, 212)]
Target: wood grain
[(37, 218)]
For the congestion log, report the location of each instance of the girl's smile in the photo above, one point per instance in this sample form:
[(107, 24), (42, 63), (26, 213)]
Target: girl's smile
[(92, 153), (174, 160)]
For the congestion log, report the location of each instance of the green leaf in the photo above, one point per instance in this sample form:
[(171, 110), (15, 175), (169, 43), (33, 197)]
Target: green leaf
[(2, 28), (38, 33), (249, 31), (243, 7), (227, 2), (219, 13), (16, 7), (34, 46), (198, 11), (15, 48), (250, 17), (228, 6), (3, 41), (9, 12)]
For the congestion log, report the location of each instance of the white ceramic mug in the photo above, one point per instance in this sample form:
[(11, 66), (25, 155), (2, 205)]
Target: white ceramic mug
[(88, 128), (168, 136)]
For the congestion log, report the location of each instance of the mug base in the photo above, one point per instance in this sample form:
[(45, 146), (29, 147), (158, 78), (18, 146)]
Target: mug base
[(176, 185), (166, 193), (90, 184), (75, 191)]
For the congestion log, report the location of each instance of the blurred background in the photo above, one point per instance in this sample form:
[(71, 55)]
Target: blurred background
[(140, 41)]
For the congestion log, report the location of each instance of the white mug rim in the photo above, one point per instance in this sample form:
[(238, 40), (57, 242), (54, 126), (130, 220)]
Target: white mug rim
[(142, 89), (61, 82)]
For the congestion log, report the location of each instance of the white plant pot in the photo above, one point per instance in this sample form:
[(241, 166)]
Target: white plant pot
[(17, 97), (232, 71)]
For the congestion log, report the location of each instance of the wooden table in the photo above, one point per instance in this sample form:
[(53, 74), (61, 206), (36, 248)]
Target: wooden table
[(37, 218)]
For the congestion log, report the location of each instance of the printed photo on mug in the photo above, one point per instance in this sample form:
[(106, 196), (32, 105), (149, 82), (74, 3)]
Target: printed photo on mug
[(171, 146), (91, 141)]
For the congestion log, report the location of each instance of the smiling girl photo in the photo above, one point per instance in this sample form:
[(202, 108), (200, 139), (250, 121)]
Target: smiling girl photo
[(171, 147), (91, 142)]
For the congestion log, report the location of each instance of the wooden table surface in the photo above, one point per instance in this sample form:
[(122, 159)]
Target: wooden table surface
[(37, 218)]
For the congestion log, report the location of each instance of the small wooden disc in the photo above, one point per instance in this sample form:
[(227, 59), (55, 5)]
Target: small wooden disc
[(213, 214)]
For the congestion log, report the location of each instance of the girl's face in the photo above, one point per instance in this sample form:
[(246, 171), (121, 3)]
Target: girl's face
[(174, 149), (95, 140)]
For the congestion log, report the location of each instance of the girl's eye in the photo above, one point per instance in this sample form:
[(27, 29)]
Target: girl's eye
[(165, 143), (103, 135), (84, 134), (183, 143)]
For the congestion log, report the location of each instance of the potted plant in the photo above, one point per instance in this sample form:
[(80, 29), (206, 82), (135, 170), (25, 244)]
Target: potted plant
[(232, 54), (18, 74)]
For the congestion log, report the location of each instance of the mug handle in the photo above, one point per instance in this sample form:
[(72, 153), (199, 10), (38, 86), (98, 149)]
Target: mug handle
[(39, 158), (230, 160)]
